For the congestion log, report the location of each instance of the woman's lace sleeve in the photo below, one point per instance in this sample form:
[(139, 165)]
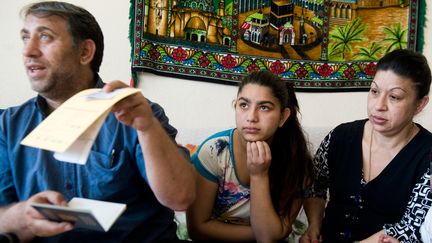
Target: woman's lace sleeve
[(320, 183), (408, 229)]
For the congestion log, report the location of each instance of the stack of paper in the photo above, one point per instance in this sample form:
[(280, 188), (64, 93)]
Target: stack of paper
[(71, 129)]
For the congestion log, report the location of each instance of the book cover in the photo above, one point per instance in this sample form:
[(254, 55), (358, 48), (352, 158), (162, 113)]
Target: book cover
[(84, 213)]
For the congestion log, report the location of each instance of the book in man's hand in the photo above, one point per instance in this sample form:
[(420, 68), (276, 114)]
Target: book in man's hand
[(83, 213)]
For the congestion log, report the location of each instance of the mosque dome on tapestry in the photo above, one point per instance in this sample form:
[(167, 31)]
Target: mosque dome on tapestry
[(201, 5), (196, 23)]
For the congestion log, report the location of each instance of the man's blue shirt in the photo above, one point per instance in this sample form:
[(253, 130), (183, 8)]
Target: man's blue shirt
[(115, 172)]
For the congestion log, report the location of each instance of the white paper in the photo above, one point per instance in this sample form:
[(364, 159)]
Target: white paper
[(71, 129), (105, 212), (79, 151)]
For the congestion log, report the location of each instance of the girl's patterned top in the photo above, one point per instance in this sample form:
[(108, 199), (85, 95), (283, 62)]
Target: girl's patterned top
[(214, 160)]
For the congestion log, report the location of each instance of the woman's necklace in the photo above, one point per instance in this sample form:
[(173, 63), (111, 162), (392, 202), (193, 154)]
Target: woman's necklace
[(370, 155), (410, 133)]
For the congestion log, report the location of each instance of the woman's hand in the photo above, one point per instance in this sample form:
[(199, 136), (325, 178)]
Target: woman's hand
[(312, 235), (387, 239)]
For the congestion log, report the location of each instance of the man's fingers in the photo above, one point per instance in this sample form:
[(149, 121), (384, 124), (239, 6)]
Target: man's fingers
[(47, 228), (50, 197), (116, 84)]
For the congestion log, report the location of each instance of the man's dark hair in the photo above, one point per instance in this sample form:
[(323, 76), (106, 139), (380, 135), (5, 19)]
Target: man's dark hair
[(82, 24)]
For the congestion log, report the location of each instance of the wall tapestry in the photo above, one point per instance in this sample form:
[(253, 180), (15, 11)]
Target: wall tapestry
[(320, 45)]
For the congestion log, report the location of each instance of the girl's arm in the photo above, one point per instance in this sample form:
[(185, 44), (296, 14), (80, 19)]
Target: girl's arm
[(201, 226), (267, 224), (314, 208)]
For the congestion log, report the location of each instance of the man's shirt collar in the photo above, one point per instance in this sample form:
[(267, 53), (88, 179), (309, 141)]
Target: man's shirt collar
[(42, 105)]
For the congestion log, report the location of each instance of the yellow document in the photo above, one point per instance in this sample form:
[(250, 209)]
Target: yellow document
[(72, 128)]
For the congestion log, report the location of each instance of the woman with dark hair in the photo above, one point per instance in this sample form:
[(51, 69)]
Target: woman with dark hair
[(250, 178), (376, 170)]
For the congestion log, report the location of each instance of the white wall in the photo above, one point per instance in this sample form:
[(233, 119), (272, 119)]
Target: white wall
[(112, 16), (189, 104)]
